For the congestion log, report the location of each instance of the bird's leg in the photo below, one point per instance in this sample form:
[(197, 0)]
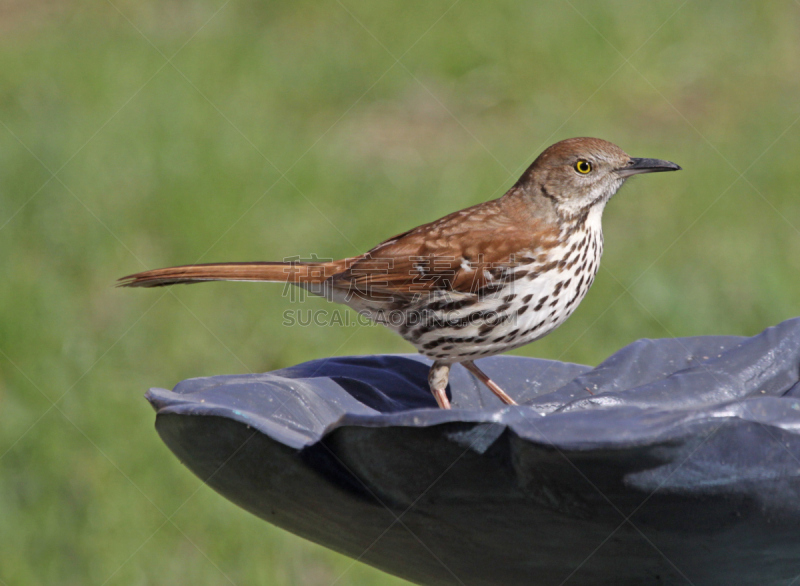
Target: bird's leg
[(437, 379), (483, 377)]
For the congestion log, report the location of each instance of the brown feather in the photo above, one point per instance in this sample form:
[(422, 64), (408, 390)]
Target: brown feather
[(281, 272), (455, 253)]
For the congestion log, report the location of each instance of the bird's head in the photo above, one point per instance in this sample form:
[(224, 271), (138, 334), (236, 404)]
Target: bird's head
[(579, 173)]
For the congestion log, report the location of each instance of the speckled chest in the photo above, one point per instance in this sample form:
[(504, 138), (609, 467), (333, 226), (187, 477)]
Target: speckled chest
[(542, 291)]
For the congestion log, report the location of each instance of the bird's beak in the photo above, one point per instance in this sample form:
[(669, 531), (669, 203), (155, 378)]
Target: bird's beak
[(637, 166)]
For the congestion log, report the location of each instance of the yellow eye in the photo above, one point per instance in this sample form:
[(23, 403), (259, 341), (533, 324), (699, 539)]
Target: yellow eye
[(583, 167)]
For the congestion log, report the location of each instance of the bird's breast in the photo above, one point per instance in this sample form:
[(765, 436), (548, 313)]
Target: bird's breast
[(537, 295)]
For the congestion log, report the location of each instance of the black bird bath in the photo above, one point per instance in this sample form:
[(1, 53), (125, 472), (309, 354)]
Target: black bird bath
[(675, 461)]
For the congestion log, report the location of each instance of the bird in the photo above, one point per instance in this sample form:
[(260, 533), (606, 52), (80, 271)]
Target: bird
[(478, 282)]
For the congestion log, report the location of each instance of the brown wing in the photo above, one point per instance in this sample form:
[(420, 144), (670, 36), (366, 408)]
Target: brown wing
[(468, 252)]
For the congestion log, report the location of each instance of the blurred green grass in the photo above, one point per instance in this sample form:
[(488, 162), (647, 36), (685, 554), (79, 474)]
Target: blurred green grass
[(209, 131)]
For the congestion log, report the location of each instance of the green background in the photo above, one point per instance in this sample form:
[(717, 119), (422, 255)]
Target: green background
[(140, 134)]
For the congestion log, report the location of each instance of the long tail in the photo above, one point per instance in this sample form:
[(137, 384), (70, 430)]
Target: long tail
[(282, 272)]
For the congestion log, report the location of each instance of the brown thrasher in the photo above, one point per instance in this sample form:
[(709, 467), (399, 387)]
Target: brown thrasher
[(480, 281)]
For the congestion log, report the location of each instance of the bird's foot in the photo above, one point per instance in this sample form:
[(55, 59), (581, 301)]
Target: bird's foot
[(437, 379)]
